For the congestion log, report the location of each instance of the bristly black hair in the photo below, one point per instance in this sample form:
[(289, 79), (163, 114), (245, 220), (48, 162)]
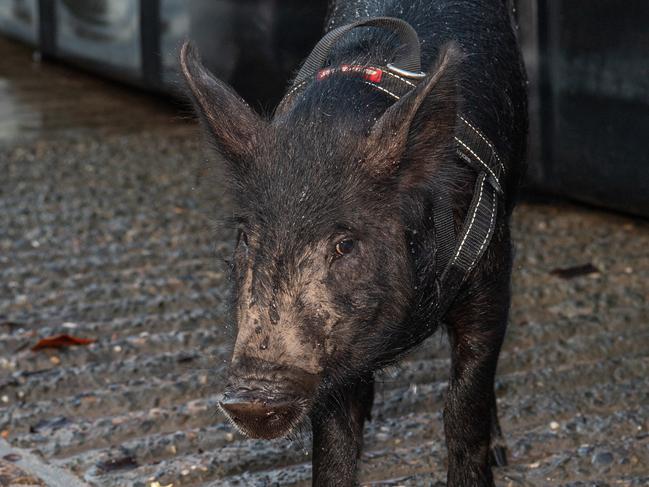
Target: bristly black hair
[(345, 161)]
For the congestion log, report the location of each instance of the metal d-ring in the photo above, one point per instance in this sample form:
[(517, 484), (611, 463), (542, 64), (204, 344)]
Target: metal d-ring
[(405, 73)]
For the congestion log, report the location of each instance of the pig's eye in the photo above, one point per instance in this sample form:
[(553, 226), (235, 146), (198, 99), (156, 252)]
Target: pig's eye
[(345, 246)]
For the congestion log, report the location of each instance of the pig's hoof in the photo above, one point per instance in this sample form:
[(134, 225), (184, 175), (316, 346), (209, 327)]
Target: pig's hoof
[(499, 456)]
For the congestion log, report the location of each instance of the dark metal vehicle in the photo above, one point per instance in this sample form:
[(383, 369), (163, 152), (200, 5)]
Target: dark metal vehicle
[(587, 64), (254, 44)]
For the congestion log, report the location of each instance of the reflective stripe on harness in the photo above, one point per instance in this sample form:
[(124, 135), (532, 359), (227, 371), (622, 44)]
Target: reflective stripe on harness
[(455, 257)]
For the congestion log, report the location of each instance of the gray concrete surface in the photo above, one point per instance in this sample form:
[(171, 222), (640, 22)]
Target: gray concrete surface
[(112, 232), (16, 460)]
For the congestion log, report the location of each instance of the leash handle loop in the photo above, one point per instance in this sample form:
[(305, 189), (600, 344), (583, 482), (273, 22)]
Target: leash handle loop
[(409, 61)]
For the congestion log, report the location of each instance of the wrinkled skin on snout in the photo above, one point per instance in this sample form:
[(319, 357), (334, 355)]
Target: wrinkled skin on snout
[(322, 272)]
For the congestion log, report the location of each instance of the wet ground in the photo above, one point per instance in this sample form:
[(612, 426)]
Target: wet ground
[(109, 231)]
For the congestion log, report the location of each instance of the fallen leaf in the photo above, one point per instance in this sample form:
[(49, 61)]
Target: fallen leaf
[(12, 457), (61, 341), (575, 271)]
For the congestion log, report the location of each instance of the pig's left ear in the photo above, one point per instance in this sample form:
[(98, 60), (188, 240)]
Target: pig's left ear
[(410, 138), (234, 126)]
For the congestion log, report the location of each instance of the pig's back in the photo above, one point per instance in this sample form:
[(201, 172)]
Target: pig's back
[(493, 83)]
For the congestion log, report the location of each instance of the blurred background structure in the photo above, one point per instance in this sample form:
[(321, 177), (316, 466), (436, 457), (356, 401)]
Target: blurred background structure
[(587, 62), (107, 237)]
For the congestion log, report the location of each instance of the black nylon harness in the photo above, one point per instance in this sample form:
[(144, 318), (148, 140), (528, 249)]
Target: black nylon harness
[(457, 255)]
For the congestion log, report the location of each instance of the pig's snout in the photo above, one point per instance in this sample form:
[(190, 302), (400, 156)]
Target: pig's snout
[(262, 419), (268, 405)]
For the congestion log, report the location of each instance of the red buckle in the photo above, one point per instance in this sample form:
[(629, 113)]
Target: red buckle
[(373, 75)]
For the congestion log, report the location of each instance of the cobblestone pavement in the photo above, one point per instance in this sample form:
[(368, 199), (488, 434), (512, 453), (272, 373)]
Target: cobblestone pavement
[(113, 234)]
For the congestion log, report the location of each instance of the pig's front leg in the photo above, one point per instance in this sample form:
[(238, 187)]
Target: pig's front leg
[(338, 435), (498, 447), (476, 334)]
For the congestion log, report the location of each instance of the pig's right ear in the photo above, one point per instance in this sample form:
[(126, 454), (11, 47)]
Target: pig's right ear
[(233, 125), (419, 127)]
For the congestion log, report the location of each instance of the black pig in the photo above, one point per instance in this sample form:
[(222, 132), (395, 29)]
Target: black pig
[(334, 262)]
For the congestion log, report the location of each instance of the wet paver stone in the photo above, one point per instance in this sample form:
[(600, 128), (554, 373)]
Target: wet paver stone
[(115, 235)]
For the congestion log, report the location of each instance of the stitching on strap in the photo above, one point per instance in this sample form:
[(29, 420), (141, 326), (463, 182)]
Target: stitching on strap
[(394, 95), (493, 149), (382, 89), (486, 237), (373, 85), (296, 87), (478, 158), (468, 230)]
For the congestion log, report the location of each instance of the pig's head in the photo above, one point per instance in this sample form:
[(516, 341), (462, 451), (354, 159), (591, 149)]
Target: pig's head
[(326, 194)]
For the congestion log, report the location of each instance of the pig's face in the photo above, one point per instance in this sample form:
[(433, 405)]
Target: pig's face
[(322, 270)]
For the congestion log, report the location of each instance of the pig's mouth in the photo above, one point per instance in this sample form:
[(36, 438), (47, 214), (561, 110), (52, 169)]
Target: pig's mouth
[(266, 409), (265, 419)]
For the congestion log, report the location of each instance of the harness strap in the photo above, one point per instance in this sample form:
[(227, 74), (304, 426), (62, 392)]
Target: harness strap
[(477, 151), (472, 242), (455, 258), (444, 224)]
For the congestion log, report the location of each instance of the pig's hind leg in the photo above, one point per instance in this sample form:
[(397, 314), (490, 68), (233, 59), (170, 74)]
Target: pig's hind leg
[(476, 328), (338, 434)]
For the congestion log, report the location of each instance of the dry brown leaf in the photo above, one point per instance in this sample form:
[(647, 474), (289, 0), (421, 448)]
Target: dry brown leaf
[(61, 341)]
